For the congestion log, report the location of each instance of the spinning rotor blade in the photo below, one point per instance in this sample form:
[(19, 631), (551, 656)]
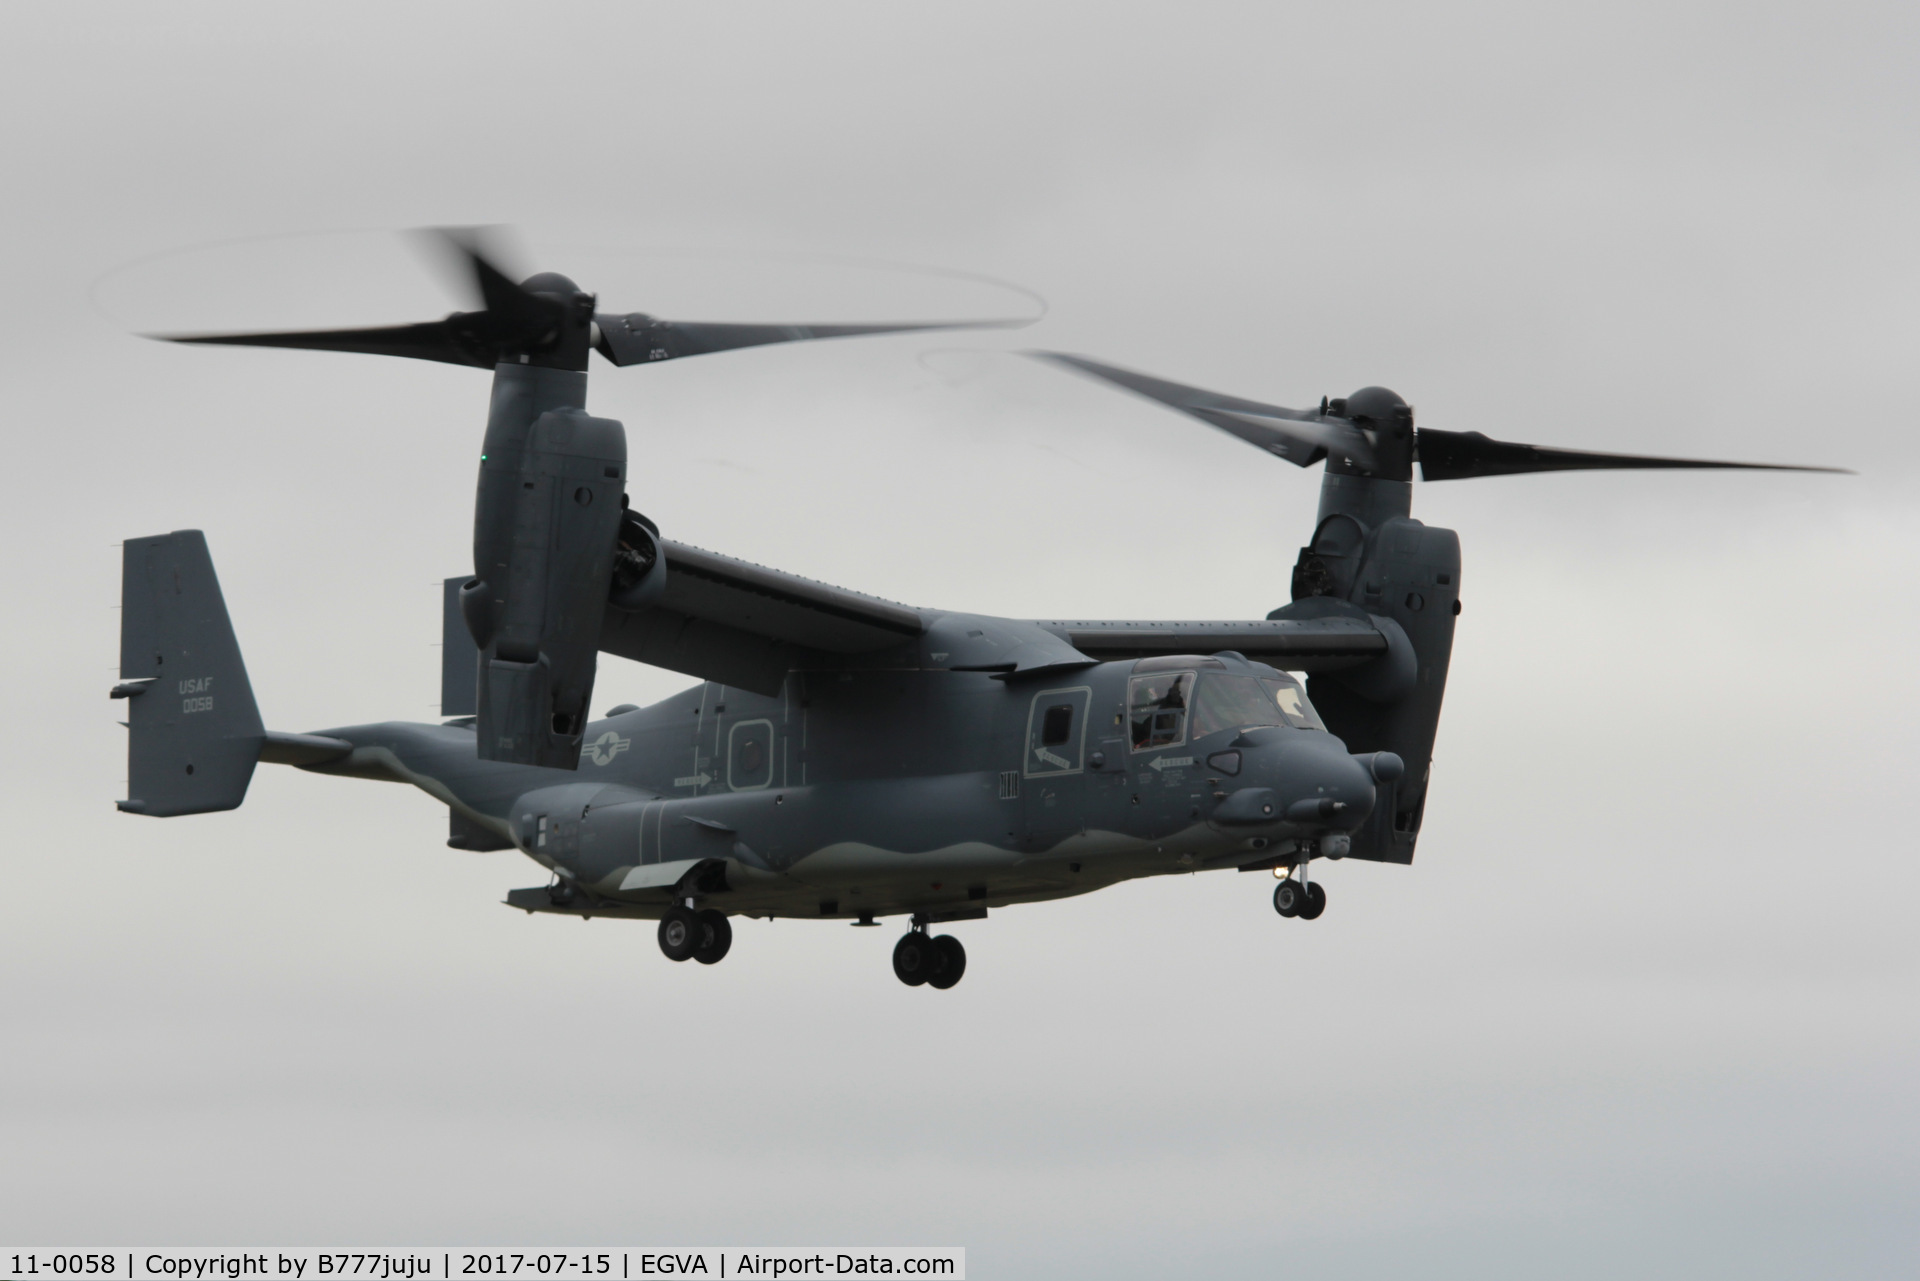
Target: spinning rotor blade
[(465, 338), (1380, 446), (1461, 455), (535, 316), (1300, 437), (435, 340), (513, 307), (637, 338), (512, 319)]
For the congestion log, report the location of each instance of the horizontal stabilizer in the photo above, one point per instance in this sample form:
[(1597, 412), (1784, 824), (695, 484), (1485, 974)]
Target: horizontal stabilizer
[(279, 748)]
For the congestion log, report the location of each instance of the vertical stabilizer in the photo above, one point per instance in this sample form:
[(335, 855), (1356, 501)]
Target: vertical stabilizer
[(459, 657), (195, 732)]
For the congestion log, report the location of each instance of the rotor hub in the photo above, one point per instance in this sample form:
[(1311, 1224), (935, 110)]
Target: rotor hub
[(1379, 407), (1388, 422), (550, 282)]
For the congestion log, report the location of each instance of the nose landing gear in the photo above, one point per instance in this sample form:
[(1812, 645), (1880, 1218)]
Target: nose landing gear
[(937, 962), (1299, 898)]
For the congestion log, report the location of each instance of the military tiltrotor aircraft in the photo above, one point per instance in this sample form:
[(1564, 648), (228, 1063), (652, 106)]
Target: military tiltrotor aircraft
[(846, 757)]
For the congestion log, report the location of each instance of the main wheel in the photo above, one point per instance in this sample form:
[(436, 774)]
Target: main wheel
[(915, 959), (1316, 902), (718, 933), (1289, 896), (681, 933), (955, 957)]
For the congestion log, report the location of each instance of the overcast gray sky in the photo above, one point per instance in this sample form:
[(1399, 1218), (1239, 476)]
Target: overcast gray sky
[(1644, 1006)]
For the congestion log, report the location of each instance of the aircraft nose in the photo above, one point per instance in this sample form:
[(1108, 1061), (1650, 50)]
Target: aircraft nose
[(1304, 779), (1325, 786)]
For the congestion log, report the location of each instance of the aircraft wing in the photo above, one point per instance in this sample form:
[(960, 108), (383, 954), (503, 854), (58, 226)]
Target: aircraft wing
[(743, 624), (1293, 644)]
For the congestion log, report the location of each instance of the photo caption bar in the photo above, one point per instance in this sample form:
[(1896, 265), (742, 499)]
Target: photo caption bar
[(440, 1263)]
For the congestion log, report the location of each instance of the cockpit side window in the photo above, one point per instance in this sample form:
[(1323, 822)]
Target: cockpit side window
[(1232, 702), (1157, 709), (1293, 704)]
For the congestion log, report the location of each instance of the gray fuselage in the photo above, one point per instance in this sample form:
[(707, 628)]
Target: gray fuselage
[(873, 792)]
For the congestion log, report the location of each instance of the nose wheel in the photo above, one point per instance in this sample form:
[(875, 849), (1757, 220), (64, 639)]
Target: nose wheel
[(1299, 898), (935, 961)]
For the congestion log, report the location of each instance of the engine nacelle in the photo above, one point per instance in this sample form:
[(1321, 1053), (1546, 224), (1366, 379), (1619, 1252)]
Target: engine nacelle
[(1369, 559), (639, 564), (545, 527)]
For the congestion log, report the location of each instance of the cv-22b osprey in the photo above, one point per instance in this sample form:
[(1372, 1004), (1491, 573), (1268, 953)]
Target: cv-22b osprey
[(846, 757)]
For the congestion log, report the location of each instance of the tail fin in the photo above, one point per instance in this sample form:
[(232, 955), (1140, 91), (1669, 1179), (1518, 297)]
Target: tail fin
[(195, 731), (459, 656)]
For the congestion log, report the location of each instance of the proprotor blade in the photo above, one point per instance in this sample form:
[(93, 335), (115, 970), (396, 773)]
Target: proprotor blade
[(547, 317), (1460, 455), (1300, 437), (443, 340), (638, 339), (512, 320), (500, 297)]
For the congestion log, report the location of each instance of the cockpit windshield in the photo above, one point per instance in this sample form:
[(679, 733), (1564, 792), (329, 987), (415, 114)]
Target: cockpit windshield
[(1293, 703), (1232, 702), (1242, 702), (1160, 706)]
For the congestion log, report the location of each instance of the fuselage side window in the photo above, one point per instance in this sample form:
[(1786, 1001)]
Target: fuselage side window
[(1157, 709), (1057, 726), (1232, 702), (750, 755)]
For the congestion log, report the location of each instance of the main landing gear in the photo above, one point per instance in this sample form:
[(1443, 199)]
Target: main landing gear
[(937, 962), (1299, 898), (700, 936)]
